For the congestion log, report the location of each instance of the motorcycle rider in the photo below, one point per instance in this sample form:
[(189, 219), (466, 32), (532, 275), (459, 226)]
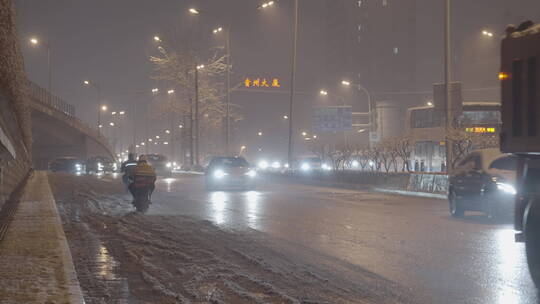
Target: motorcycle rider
[(127, 166), (142, 175)]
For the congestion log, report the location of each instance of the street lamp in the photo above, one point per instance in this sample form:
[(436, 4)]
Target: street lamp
[(111, 124), (323, 92), (104, 108), (122, 112), (267, 5), (35, 41), (98, 89), (194, 11), (347, 83), (157, 39), (155, 90), (228, 83), (167, 132), (487, 33), (170, 92), (260, 133)]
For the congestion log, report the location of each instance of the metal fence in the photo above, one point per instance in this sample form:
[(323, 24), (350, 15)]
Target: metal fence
[(43, 96)]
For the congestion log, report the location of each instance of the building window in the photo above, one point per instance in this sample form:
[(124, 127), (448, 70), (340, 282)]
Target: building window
[(396, 50), (384, 2), (359, 3)]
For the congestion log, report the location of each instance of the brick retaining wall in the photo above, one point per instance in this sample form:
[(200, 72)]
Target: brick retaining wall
[(15, 124)]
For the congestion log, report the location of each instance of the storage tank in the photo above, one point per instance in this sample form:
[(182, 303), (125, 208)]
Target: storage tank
[(389, 121)]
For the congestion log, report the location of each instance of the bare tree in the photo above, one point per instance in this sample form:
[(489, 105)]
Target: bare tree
[(463, 142)]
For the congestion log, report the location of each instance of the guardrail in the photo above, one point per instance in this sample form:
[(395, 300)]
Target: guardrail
[(64, 111), (48, 99)]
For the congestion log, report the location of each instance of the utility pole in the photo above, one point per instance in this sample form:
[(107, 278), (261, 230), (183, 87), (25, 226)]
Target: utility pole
[(447, 82), (191, 150), (197, 132), (293, 74), (228, 99)]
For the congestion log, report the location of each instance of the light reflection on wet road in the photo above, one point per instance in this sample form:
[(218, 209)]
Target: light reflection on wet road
[(411, 241)]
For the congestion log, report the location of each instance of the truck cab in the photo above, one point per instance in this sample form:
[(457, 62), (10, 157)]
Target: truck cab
[(520, 135)]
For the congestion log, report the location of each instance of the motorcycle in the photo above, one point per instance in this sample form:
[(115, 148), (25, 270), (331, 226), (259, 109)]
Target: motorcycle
[(141, 188), (141, 200)]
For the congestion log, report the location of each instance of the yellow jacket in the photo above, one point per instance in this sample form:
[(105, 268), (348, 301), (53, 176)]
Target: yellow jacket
[(143, 169)]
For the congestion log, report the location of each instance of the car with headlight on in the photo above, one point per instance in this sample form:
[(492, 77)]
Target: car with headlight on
[(311, 164), (100, 164), (229, 172), (67, 164), (484, 180), (161, 164)]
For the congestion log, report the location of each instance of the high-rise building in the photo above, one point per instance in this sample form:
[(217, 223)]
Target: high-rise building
[(372, 42)]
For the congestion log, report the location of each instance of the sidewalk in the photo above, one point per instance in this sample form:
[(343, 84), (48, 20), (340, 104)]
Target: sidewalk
[(35, 262)]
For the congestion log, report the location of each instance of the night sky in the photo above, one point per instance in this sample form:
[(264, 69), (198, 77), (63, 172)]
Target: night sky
[(111, 41)]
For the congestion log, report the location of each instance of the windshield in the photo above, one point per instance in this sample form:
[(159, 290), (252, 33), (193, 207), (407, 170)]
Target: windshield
[(505, 163), (230, 162)]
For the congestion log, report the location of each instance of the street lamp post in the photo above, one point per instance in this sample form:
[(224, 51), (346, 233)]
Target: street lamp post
[(36, 41), (197, 131), (98, 89), (447, 79), (294, 29), (293, 75), (227, 32)]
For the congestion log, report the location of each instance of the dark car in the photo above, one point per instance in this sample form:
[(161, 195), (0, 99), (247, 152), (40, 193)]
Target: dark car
[(483, 181), (66, 164), (98, 164), (160, 163), (223, 172)]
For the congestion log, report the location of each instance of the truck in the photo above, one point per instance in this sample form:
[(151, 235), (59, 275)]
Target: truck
[(520, 134)]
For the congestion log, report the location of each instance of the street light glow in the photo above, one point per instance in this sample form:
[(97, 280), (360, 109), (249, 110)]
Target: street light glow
[(170, 92), (346, 83), (111, 124), (104, 108), (429, 103), (285, 117), (487, 33), (304, 133), (34, 40), (180, 126), (194, 11), (166, 143), (167, 131), (323, 92), (113, 113), (122, 112), (157, 136), (86, 82), (260, 133), (156, 38), (200, 67), (217, 30), (155, 90)]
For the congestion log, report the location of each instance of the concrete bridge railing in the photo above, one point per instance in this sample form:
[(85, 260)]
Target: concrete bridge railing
[(45, 102)]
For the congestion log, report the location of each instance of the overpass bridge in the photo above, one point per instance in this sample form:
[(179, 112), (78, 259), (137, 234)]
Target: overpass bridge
[(57, 132)]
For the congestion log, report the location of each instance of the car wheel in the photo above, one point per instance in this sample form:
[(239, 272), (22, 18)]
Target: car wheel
[(532, 242), (456, 208)]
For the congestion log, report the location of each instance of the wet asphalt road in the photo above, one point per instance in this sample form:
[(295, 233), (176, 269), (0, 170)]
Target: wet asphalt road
[(411, 241)]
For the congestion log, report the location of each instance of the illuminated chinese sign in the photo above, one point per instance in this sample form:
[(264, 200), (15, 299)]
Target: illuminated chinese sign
[(480, 130), (262, 83)]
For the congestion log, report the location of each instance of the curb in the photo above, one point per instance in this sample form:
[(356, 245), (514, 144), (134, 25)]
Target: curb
[(37, 265)]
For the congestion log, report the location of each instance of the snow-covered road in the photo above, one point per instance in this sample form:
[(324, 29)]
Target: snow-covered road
[(283, 243)]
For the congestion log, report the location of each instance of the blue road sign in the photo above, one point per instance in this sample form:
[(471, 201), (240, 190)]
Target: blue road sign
[(332, 119)]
